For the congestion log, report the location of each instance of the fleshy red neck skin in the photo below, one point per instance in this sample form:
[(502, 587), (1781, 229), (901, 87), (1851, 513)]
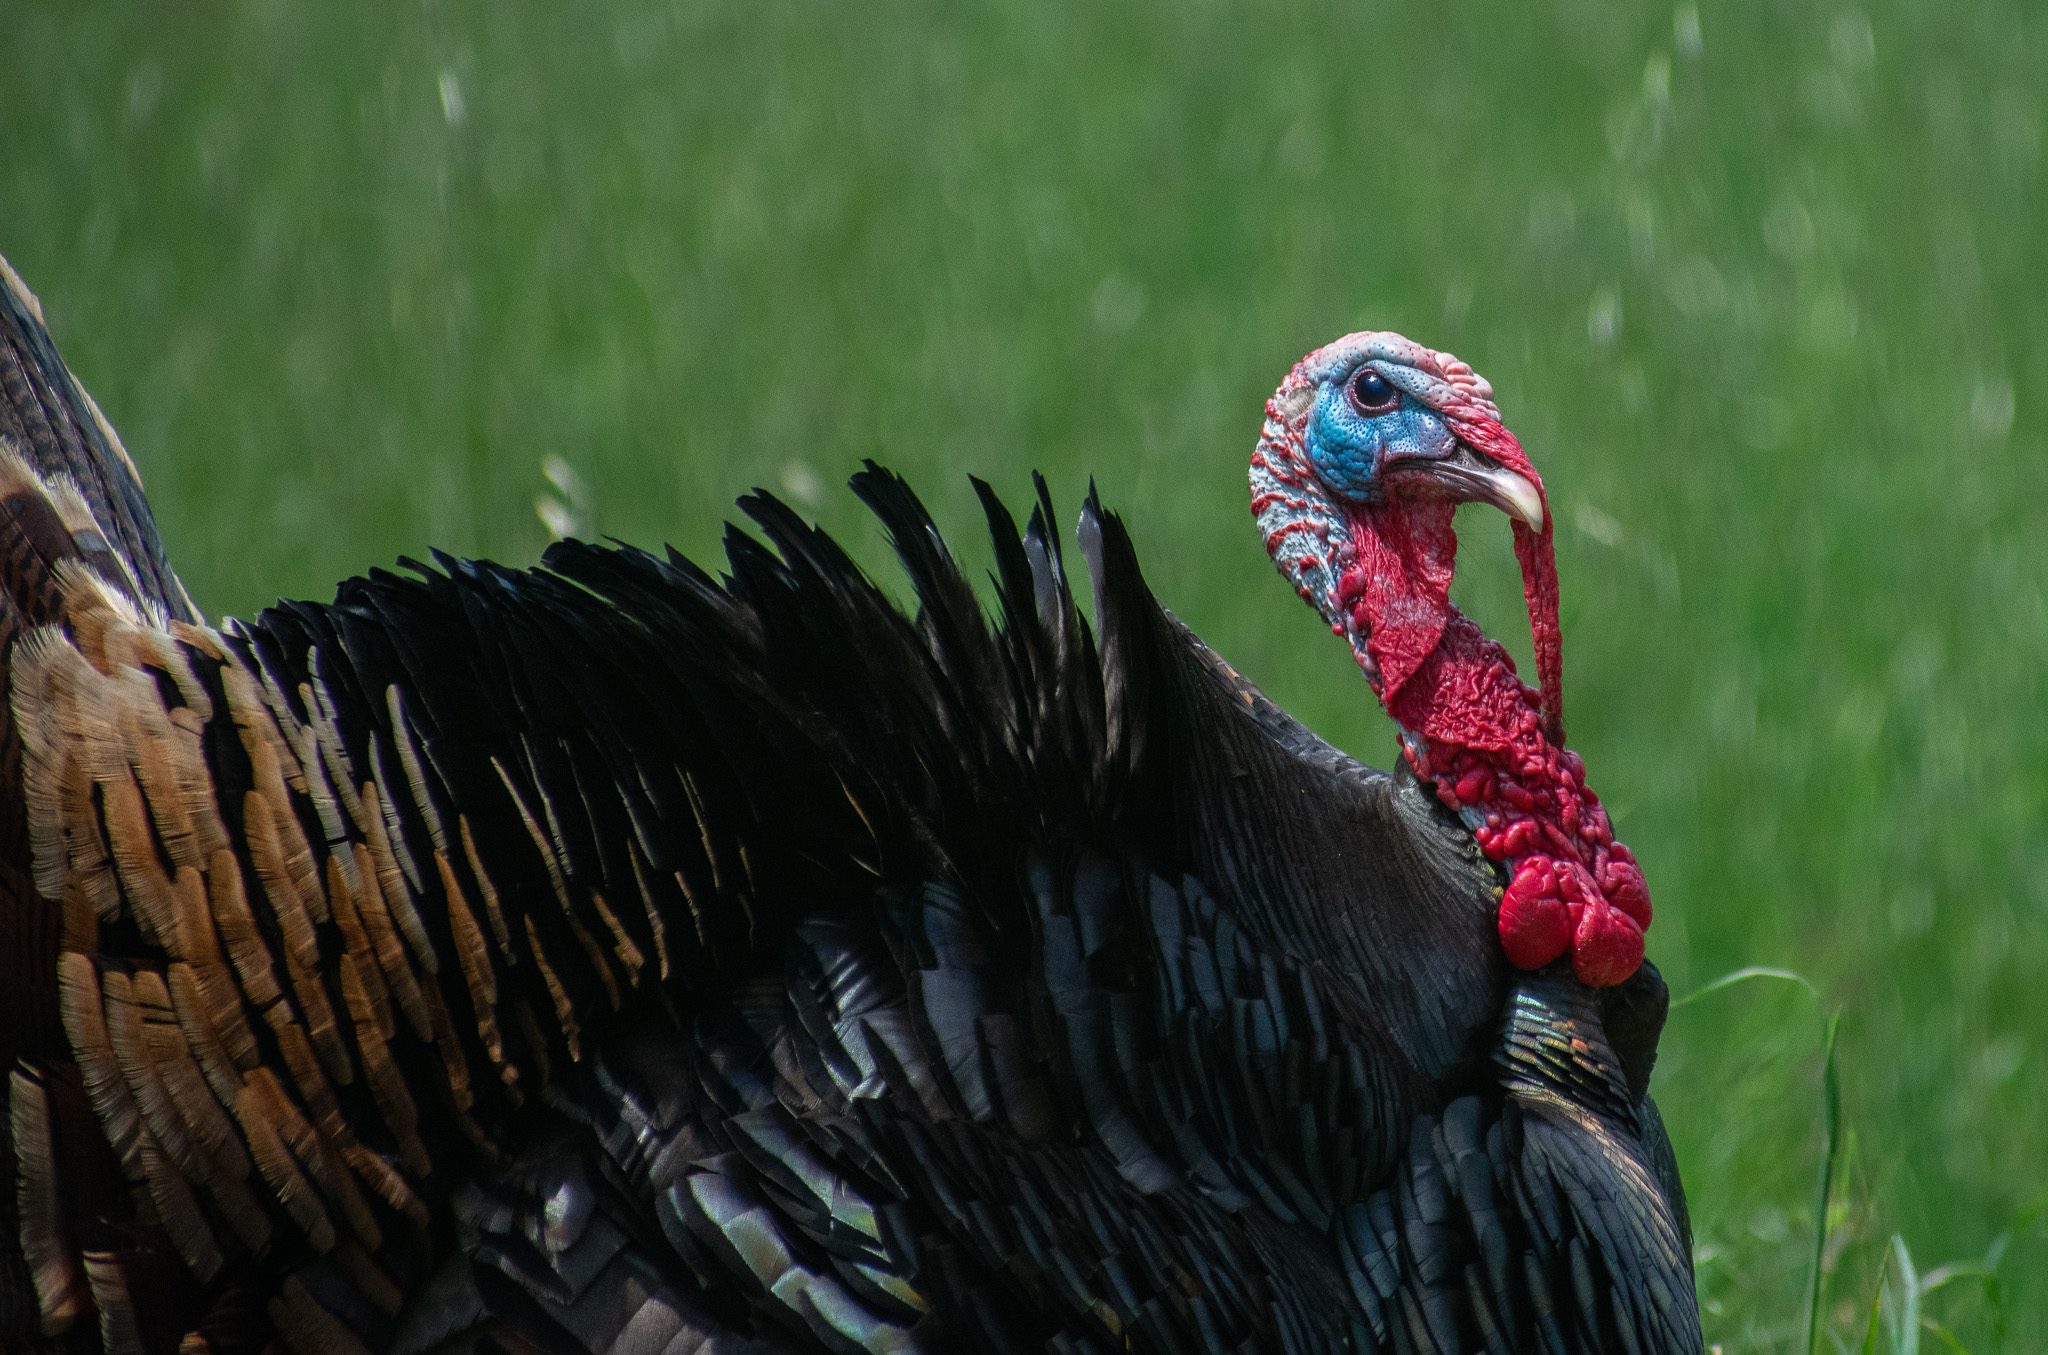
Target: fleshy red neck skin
[(1379, 568)]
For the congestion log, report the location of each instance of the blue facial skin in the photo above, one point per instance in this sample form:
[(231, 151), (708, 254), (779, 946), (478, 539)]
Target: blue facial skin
[(1349, 450)]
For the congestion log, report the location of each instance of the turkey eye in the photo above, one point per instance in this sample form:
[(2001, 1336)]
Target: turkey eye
[(1373, 393)]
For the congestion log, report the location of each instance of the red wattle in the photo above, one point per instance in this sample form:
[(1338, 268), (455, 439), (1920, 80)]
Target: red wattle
[(1405, 557), (1607, 947), (1622, 883), (1490, 742), (1535, 927), (1534, 932), (1490, 745)]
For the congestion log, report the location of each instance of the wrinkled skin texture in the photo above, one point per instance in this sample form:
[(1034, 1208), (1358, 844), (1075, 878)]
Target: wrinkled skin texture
[(1355, 493)]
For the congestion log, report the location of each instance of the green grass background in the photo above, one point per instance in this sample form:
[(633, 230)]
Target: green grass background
[(1760, 285)]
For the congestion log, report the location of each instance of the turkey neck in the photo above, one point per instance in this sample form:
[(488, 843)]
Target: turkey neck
[(1492, 745)]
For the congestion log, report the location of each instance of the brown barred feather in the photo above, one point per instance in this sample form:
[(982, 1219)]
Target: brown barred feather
[(595, 954), (622, 944), (283, 724), (492, 908), (61, 1292), (380, 875), (243, 940), (169, 1158), (540, 839), (311, 990), (386, 1184), (565, 1011), (267, 1117), (655, 922), (287, 903), (85, 1022), (320, 789), (138, 1064), (340, 769), (415, 769), (81, 920), (222, 1063), (316, 1093), (475, 959), (144, 884), (148, 735), (387, 1085), (48, 771), (273, 765), (228, 1167), (206, 642), (368, 905), (375, 994), (456, 1067), (390, 879), (120, 1333)]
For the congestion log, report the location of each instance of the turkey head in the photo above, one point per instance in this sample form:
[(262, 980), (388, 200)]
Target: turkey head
[(1370, 444)]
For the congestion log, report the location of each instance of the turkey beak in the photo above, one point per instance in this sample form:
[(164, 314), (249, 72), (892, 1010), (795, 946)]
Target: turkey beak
[(1468, 476)]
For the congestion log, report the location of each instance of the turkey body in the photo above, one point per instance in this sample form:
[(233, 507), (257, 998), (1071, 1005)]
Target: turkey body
[(607, 957)]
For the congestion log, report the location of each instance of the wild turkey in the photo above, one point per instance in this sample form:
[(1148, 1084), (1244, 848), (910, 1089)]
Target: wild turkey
[(607, 957)]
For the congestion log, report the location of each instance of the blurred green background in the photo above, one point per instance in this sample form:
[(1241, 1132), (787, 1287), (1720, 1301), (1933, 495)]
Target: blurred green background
[(1760, 285)]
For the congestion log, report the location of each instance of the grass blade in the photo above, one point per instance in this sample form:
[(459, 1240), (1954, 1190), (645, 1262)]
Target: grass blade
[(1743, 976), (1830, 1141), (1906, 1314), (1994, 1257), (1948, 1338), (1876, 1307)]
